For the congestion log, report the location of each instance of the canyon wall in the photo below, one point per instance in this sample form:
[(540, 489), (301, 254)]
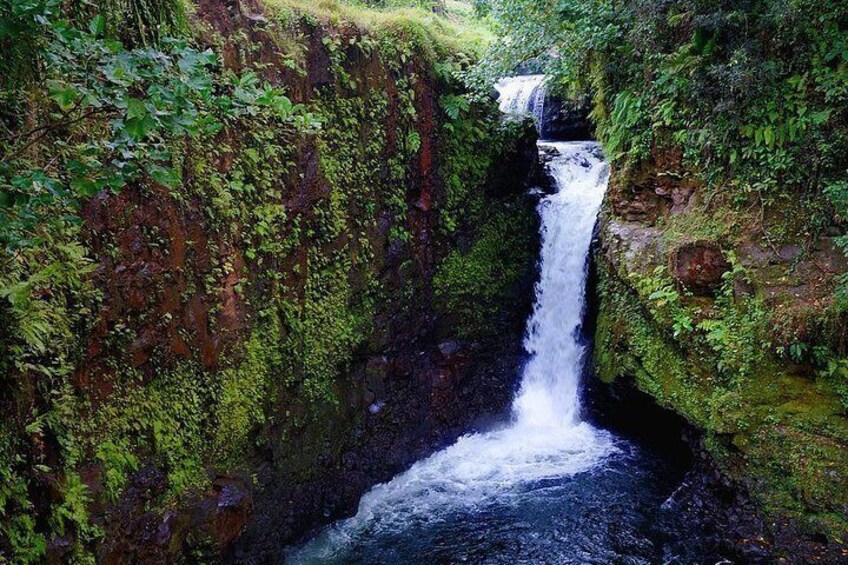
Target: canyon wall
[(311, 308), (702, 307)]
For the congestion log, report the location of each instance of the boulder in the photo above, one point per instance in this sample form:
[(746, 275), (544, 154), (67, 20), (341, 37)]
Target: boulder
[(520, 157), (699, 267), (566, 120)]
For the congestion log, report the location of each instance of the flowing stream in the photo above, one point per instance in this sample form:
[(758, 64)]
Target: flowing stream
[(548, 487)]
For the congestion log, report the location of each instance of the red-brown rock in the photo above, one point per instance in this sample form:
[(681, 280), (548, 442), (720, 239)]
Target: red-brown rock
[(699, 267)]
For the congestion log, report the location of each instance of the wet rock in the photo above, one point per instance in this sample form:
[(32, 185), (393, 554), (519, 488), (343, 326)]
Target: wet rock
[(699, 267), (512, 172), (566, 120), (58, 549), (449, 349), (376, 372), (638, 247), (233, 510), (789, 252)]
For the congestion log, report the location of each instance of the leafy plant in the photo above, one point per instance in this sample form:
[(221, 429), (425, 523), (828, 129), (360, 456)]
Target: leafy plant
[(665, 300), (115, 116)]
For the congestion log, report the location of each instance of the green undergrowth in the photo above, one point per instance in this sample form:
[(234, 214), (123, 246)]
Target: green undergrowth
[(292, 210), (473, 284), (774, 134), (436, 36)]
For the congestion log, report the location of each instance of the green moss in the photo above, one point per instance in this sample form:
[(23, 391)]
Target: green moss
[(300, 250), (472, 286), (771, 430), (473, 283)]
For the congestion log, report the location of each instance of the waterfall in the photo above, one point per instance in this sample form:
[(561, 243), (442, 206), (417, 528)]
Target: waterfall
[(523, 95), (546, 438), (548, 397)]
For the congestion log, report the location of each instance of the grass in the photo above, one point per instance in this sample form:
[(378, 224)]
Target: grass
[(457, 31)]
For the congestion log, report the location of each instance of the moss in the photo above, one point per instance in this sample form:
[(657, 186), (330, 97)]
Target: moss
[(472, 286), (282, 233), (474, 281), (767, 428)]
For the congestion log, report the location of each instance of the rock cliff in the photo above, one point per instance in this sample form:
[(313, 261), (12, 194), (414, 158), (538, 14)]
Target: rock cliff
[(312, 307)]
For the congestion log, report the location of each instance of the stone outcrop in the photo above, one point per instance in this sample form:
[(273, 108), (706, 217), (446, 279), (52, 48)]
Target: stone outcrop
[(711, 316), (566, 120), (699, 267)]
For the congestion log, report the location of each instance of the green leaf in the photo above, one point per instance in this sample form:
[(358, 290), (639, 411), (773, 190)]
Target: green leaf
[(413, 142), (164, 175), (283, 106), (768, 135), (138, 128), (85, 187), (97, 25), (64, 95), (136, 109)]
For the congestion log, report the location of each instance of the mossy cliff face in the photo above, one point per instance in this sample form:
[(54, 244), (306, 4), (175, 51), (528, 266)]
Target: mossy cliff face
[(729, 320), (306, 313)]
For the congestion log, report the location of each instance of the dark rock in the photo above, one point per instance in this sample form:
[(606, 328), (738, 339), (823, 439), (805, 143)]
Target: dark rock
[(148, 483), (789, 252), (234, 508), (449, 349), (512, 172), (566, 120), (741, 287), (58, 548)]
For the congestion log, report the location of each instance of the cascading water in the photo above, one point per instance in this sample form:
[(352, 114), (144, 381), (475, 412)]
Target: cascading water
[(523, 95), (549, 388), (546, 438), (548, 487)]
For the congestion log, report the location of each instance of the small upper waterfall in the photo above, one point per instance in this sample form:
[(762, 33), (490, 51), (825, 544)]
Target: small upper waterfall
[(523, 95), (546, 438)]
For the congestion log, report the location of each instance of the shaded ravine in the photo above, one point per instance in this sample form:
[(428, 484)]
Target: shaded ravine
[(547, 487)]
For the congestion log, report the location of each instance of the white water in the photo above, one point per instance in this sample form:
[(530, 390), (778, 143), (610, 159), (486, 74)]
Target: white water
[(549, 397), (522, 95), (546, 438)]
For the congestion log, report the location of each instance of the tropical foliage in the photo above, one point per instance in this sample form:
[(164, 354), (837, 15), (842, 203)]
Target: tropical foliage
[(129, 105), (753, 94)]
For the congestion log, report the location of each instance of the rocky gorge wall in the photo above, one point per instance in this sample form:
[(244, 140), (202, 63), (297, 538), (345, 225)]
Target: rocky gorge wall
[(310, 310), (702, 306)]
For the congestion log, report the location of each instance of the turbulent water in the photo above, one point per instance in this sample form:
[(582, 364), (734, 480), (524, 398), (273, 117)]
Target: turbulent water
[(547, 487), (547, 438)]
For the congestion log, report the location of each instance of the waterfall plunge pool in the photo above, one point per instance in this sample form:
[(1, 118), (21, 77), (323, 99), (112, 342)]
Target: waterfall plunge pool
[(547, 487)]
